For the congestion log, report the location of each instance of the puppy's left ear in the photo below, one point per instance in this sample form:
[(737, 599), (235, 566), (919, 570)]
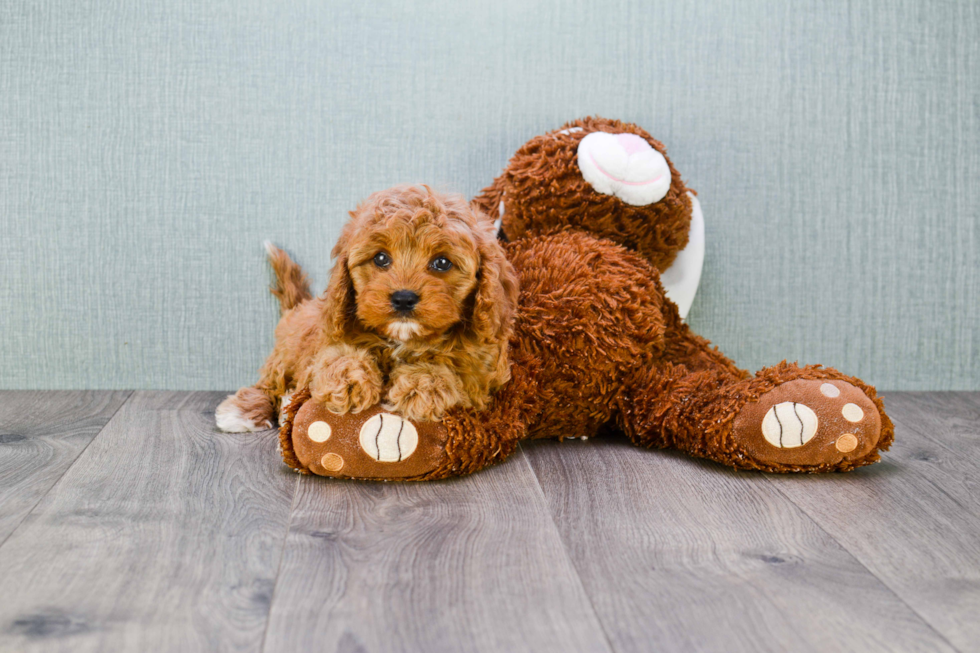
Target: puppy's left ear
[(497, 287)]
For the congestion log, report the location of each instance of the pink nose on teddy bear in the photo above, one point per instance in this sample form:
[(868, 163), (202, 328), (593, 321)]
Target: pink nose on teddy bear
[(632, 143)]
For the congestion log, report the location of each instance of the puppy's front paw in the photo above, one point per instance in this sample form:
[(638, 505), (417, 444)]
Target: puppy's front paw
[(347, 385), (424, 396)]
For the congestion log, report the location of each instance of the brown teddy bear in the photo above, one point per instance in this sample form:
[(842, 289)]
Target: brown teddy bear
[(589, 214)]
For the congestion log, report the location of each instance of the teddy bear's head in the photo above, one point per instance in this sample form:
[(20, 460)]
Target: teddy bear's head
[(607, 177)]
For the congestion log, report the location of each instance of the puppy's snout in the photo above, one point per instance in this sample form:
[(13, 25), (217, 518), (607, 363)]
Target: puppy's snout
[(404, 300)]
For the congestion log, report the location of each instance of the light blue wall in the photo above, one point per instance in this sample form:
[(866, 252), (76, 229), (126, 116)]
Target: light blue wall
[(147, 148)]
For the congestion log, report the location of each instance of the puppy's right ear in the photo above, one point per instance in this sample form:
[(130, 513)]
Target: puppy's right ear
[(340, 309)]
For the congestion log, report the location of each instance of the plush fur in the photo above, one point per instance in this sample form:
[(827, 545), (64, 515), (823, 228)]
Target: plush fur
[(543, 199), (596, 345), (353, 348)]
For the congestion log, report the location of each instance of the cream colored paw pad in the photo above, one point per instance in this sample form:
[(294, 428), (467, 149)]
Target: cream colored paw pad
[(830, 390), (789, 424), (852, 413), (319, 431), (388, 438)]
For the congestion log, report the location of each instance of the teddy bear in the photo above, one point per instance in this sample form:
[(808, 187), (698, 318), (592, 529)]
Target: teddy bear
[(589, 215)]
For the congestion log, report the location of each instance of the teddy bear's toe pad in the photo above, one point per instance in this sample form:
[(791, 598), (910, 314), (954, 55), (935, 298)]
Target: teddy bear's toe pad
[(373, 444), (809, 423)]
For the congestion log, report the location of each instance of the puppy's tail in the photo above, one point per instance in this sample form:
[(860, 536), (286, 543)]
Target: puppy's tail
[(292, 287)]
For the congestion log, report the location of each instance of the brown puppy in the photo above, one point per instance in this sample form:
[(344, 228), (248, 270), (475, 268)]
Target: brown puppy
[(417, 313)]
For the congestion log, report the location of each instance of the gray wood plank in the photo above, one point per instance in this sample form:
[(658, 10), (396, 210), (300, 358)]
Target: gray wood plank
[(942, 441), (681, 554), (41, 435), (164, 535), (972, 398), (908, 519), (471, 564)]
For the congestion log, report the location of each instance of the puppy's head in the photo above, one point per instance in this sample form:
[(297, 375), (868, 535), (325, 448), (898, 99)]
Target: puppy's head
[(413, 264)]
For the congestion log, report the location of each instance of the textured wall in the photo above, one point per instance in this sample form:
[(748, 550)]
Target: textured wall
[(147, 148)]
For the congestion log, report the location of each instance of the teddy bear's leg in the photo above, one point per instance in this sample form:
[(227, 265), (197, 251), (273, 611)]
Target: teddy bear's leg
[(784, 419), (477, 439)]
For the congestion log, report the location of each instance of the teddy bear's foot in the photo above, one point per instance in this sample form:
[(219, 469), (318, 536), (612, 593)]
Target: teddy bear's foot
[(372, 444), (809, 425)]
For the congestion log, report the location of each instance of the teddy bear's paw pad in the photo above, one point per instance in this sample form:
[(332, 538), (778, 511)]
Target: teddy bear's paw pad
[(388, 438), (624, 165), (372, 444), (809, 423), (789, 424)]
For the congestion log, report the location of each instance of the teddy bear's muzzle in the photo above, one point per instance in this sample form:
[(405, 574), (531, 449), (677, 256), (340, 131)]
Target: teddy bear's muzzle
[(624, 165)]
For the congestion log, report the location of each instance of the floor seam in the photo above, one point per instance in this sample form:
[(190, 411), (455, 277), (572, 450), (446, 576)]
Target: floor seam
[(858, 560), (939, 442), (282, 555), (571, 560), (67, 469)]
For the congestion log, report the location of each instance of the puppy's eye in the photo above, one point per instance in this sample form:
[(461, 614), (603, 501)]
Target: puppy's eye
[(441, 264), (382, 260)]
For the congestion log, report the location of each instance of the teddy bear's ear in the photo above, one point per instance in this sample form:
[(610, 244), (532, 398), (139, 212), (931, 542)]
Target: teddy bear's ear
[(489, 200), (682, 278)]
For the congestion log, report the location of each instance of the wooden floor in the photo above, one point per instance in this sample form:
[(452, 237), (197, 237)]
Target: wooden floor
[(127, 523)]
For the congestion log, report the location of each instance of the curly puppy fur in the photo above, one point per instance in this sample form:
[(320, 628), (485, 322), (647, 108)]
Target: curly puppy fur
[(354, 347)]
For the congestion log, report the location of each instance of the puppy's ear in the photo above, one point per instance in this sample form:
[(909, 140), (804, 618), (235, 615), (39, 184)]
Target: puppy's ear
[(497, 287), (340, 309)]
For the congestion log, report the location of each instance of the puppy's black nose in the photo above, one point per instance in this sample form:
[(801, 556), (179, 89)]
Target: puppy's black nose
[(404, 300)]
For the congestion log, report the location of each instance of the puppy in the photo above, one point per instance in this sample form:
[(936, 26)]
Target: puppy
[(418, 313)]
